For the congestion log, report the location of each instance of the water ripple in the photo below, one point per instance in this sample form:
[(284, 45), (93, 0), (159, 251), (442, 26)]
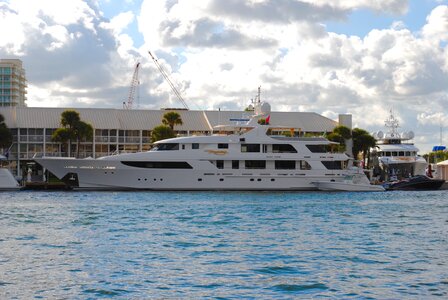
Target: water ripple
[(245, 245)]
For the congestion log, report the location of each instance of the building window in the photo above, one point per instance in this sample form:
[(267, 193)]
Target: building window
[(255, 164), (283, 148), (332, 165), (317, 148), (220, 164), (285, 164), (250, 148), (235, 164), (158, 164), (304, 165), (166, 147)]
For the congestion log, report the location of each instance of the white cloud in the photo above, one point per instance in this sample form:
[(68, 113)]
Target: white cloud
[(219, 52), (436, 27)]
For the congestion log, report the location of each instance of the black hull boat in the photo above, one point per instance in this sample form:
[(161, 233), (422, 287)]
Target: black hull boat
[(415, 183)]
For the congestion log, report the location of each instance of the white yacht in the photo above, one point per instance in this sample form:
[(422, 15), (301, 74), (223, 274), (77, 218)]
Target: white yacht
[(250, 158), (396, 157)]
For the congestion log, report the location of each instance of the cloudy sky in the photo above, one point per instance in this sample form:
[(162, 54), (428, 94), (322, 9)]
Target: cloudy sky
[(362, 57)]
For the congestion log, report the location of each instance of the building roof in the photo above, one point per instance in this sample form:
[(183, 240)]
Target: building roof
[(193, 120)]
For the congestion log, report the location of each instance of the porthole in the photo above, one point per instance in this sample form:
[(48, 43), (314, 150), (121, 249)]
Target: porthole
[(272, 179), (259, 179), (221, 179), (252, 179), (199, 179)]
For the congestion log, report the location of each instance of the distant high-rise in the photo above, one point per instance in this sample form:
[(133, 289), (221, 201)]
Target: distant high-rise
[(12, 83)]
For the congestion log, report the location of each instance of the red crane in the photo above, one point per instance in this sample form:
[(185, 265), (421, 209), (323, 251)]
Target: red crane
[(133, 89)]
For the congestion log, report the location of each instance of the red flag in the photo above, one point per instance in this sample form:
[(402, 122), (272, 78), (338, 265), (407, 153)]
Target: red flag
[(267, 119)]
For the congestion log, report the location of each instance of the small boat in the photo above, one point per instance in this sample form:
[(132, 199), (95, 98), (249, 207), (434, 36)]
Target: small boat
[(353, 183), (420, 182)]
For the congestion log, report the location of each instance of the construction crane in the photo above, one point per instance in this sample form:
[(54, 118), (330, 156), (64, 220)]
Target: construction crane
[(133, 88), (167, 78)]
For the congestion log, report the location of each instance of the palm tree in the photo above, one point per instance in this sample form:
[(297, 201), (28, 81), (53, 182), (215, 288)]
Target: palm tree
[(362, 142), (339, 135), (62, 135), (161, 132), (73, 128), (82, 130), (5, 134), (171, 119)]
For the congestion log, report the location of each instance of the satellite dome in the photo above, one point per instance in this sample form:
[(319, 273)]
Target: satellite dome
[(262, 108), (265, 108), (380, 134)]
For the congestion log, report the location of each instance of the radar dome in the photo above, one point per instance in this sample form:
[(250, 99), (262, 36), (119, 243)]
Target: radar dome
[(263, 108), (411, 135), (380, 134), (405, 136)]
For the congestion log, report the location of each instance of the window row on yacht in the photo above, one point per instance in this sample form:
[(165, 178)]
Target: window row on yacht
[(397, 153), (237, 164), (245, 147)]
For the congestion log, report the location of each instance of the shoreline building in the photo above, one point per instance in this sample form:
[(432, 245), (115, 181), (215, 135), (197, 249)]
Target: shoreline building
[(119, 130), (12, 83)]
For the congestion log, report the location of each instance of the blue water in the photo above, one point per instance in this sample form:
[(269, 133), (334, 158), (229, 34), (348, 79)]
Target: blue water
[(187, 245)]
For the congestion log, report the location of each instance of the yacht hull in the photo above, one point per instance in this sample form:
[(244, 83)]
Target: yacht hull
[(101, 174)]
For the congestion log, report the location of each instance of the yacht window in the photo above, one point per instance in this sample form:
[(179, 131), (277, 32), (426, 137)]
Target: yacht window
[(285, 164), (255, 164), (183, 147), (166, 147), (284, 148), (387, 153), (332, 165), (394, 153), (220, 164), (265, 148), (223, 146), (235, 164), (195, 146), (158, 164), (317, 148), (304, 165), (408, 153), (250, 148), (401, 153)]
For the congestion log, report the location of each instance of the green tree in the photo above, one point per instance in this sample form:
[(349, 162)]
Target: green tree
[(73, 129), (62, 135), (343, 131), (337, 138), (162, 132), (171, 119), (82, 131), (339, 135), (362, 142), (5, 134)]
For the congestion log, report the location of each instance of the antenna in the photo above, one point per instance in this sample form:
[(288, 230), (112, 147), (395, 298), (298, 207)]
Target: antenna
[(165, 75)]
